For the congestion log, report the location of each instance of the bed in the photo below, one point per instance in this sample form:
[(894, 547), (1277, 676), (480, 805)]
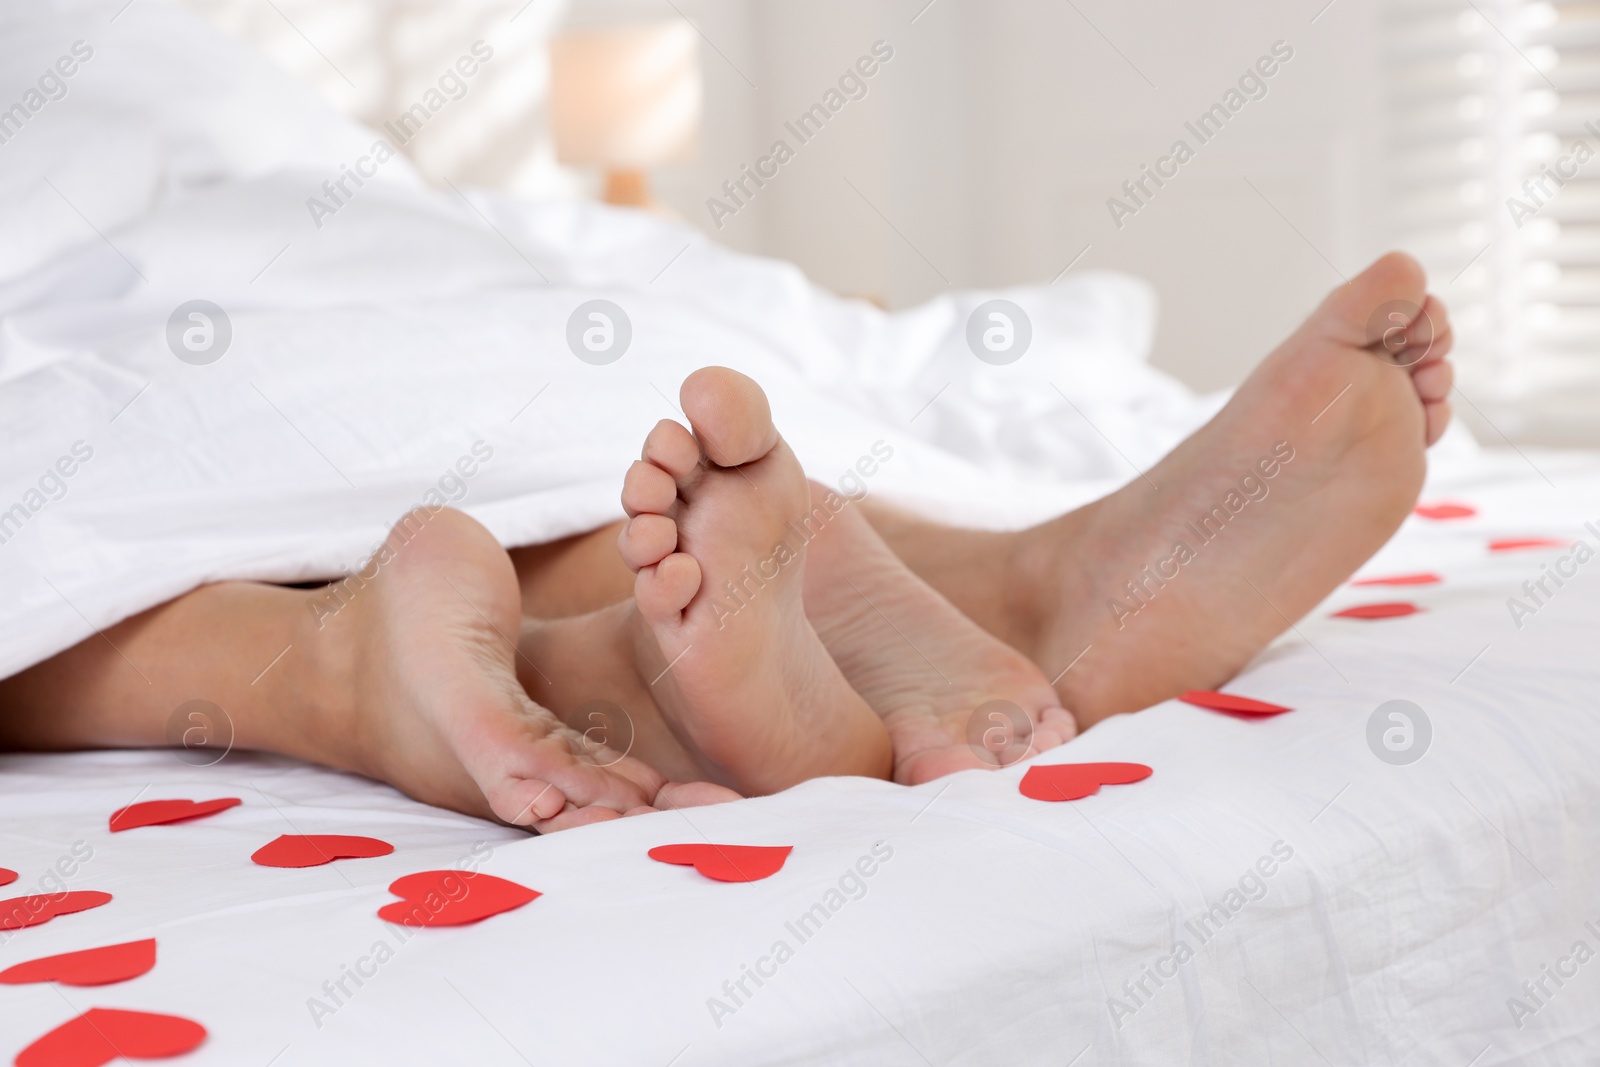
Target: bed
[(1304, 887), (1406, 906)]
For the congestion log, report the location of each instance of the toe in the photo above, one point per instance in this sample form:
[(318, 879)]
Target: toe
[(1045, 740), (1060, 722), (533, 770), (524, 801), (933, 763), (645, 778), (692, 795), (730, 416), (673, 449), (572, 817), (619, 786), (1046, 737), (1430, 333), (649, 489), (1434, 380), (1438, 419), (647, 540), (1346, 315), (664, 590)]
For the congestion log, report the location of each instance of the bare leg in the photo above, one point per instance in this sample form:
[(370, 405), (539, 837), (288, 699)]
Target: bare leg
[(406, 677), (216, 643), (976, 570), (573, 576), (952, 696), (1305, 473)]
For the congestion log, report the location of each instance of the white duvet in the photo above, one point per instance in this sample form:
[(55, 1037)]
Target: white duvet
[(370, 354), (1396, 911)]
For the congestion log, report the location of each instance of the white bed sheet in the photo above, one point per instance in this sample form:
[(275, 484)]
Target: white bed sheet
[(1416, 902)]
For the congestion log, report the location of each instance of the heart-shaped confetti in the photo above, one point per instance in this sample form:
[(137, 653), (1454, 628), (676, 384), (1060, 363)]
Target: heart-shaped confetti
[(452, 898), (726, 863), (1422, 578), (91, 966), (313, 850), (100, 1035), (1517, 544), (160, 812), (19, 912), (1443, 511), (1205, 698), (1074, 781), (1391, 610), (7, 877)]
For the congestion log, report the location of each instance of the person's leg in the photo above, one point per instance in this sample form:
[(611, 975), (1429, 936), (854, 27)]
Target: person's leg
[(1176, 580), (978, 571), (407, 677), (573, 576), (220, 642), (952, 696)]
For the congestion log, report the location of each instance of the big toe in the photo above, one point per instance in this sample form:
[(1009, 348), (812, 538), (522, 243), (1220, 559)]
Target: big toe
[(1359, 313), (730, 416), (693, 795), (524, 801)]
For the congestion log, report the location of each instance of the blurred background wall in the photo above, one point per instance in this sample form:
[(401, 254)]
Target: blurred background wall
[(984, 152)]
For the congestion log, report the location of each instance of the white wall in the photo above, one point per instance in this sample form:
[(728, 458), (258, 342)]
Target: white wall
[(993, 138)]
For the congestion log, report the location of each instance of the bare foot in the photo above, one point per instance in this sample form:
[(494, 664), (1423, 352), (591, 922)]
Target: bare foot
[(735, 667), (424, 653), (1176, 580), (952, 696)]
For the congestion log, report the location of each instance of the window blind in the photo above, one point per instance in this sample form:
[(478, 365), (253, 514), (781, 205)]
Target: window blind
[(1496, 177)]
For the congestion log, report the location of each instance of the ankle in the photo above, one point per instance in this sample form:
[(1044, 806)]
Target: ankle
[(565, 663), (1045, 569), (316, 697)]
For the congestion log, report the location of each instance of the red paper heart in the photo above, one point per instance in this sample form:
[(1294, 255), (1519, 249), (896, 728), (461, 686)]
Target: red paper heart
[(313, 850), (1378, 611), (726, 863), (1205, 698), (19, 912), (100, 1035), (7, 877), (1074, 781), (159, 812), (452, 898), (92, 966), (1423, 578), (1446, 511), (1513, 544)]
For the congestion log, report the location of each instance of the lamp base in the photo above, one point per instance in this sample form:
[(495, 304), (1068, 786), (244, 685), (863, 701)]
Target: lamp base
[(629, 188)]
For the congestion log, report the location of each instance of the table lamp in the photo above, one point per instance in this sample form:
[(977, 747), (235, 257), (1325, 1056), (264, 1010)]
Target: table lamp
[(623, 99)]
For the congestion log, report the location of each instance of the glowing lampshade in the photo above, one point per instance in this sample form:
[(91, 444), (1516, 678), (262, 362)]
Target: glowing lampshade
[(625, 98)]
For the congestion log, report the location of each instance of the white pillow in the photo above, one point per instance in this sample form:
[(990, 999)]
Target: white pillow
[(157, 104)]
